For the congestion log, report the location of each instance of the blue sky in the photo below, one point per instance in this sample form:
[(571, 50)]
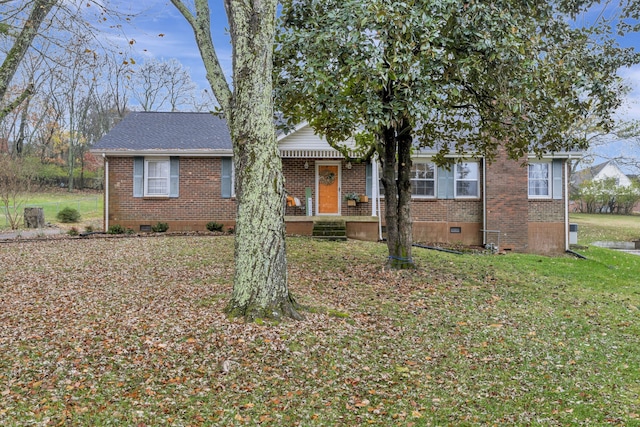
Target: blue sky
[(155, 17)]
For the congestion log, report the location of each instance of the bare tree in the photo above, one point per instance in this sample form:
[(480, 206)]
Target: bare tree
[(29, 28), (163, 84), (14, 186)]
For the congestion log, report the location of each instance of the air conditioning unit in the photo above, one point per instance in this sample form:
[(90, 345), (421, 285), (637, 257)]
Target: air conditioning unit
[(573, 234)]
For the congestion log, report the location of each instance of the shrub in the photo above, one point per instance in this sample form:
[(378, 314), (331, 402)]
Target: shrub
[(214, 226), (160, 227), (73, 231), (130, 231), (88, 228), (115, 229), (68, 215)]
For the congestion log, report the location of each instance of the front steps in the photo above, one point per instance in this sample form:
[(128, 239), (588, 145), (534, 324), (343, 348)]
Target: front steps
[(330, 230)]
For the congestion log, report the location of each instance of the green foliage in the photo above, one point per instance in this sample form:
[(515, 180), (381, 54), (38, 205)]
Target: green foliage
[(115, 229), (467, 75), (68, 215), (160, 227), (214, 226), (73, 231), (352, 196), (606, 196), (88, 228)]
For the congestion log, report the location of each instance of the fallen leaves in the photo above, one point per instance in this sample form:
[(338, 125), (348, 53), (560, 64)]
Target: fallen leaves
[(131, 332)]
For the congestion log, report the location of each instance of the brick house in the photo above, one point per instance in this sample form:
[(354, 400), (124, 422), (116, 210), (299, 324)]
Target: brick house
[(177, 168)]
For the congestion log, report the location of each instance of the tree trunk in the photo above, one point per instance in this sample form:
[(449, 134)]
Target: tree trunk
[(397, 155), (41, 9), (260, 283)]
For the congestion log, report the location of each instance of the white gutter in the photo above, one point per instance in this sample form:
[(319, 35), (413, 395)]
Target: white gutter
[(375, 193), (164, 153), (566, 204), (106, 192), (484, 201)]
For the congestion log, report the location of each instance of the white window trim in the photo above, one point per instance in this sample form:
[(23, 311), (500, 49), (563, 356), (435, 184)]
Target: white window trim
[(233, 179), (435, 180), (549, 194), (456, 180), (146, 175)]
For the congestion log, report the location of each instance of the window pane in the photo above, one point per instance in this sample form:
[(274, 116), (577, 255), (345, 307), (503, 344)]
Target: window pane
[(158, 177), (467, 171), (539, 179), (423, 179), (467, 188), (467, 179)]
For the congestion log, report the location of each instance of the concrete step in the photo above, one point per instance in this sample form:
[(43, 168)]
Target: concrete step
[(330, 230)]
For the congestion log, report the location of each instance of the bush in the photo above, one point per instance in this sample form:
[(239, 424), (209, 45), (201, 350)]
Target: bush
[(88, 228), (214, 226), (160, 227), (115, 229), (73, 231), (68, 215)]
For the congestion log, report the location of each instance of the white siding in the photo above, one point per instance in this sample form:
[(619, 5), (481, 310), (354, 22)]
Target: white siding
[(305, 139), (613, 171)]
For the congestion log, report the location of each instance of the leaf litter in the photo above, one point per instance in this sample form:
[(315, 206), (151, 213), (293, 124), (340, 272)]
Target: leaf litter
[(132, 332)]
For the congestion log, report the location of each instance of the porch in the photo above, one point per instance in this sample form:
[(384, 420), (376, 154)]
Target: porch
[(358, 227)]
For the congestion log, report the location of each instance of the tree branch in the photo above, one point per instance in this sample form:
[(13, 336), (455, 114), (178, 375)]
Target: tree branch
[(201, 25)]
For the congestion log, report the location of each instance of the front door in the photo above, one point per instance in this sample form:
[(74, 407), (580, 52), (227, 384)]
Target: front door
[(328, 188)]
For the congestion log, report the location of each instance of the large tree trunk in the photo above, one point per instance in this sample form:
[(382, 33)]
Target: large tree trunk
[(260, 284), (397, 155)]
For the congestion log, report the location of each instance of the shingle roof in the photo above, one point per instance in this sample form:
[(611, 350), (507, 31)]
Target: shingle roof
[(164, 131)]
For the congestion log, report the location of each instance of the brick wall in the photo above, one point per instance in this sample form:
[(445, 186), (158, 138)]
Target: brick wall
[(507, 202), (199, 198), (524, 225)]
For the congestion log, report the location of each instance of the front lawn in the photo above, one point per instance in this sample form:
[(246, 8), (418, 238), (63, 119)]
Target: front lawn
[(130, 331), (88, 203), (606, 227)]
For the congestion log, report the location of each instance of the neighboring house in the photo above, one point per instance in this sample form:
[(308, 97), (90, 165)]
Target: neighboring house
[(177, 168), (608, 169), (601, 172)]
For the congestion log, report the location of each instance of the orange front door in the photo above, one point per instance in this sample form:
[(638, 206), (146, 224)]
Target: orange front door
[(328, 190)]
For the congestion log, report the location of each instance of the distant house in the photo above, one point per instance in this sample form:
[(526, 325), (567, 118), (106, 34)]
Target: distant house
[(177, 168), (599, 172), (621, 201)]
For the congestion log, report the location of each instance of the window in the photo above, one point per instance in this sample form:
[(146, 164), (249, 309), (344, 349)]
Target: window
[(156, 176), (423, 179), (540, 180), (156, 172), (467, 179)]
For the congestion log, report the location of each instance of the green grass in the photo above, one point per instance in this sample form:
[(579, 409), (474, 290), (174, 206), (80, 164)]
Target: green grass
[(130, 331), (605, 227), (89, 204)]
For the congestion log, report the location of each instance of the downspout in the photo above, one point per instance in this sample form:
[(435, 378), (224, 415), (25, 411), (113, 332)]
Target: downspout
[(106, 192), (566, 204), (484, 201), (375, 183)]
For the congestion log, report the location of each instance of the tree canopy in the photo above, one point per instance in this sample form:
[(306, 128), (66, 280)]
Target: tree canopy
[(465, 73), (459, 77)]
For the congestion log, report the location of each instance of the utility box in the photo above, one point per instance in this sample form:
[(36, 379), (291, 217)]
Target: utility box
[(573, 234)]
